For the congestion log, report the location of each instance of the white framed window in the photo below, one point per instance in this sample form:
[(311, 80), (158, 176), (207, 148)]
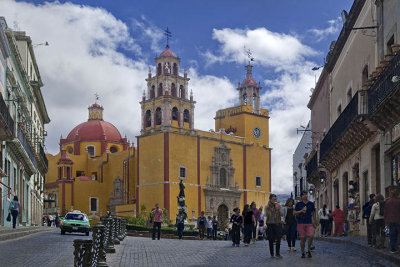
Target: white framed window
[(91, 151), (93, 204), (182, 172), (258, 181)]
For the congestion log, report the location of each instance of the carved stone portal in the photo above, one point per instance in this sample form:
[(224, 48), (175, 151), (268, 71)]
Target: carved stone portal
[(116, 197), (222, 193)]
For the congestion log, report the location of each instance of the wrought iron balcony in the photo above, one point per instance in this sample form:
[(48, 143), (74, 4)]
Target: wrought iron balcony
[(346, 134), (24, 151), (312, 166), (6, 122), (43, 162), (384, 96)]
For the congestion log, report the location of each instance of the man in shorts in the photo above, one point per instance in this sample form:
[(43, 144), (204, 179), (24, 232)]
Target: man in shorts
[(306, 221)]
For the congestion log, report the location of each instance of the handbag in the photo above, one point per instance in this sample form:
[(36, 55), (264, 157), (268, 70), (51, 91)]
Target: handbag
[(9, 217)]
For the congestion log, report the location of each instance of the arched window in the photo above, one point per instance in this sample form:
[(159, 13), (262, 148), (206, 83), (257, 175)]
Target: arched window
[(159, 69), (254, 100), (175, 69), (174, 113), (148, 118), (59, 172), (158, 116), (160, 90), (182, 91), (68, 172), (173, 90), (222, 177), (186, 115), (245, 98), (113, 149), (153, 92)]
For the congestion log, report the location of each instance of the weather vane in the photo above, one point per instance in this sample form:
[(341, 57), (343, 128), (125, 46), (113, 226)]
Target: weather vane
[(249, 54), (97, 96), (167, 34)]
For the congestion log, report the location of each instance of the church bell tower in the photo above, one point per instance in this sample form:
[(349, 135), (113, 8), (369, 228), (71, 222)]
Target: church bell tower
[(167, 105)]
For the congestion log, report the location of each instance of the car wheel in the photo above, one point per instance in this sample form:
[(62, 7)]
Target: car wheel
[(87, 233), (62, 232)]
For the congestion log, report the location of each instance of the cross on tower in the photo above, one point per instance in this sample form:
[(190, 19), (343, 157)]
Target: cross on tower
[(168, 35), (249, 54), (96, 95)]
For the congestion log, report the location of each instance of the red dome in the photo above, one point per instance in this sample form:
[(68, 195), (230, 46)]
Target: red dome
[(167, 53), (94, 130)]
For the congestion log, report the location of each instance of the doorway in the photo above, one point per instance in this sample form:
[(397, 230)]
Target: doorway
[(222, 213)]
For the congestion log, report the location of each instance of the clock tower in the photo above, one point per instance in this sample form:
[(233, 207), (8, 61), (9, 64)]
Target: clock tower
[(248, 119)]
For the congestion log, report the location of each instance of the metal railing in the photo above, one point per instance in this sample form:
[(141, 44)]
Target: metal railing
[(312, 165), (340, 126), (93, 252), (43, 156), (383, 85), (27, 147), (6, 115)]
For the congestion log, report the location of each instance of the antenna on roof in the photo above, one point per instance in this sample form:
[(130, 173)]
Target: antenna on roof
[(168, 35)]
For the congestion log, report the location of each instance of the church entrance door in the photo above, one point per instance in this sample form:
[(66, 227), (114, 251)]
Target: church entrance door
[(223, 213)]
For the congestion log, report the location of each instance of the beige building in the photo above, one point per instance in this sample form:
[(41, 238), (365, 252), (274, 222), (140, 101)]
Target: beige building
[(359, 152)]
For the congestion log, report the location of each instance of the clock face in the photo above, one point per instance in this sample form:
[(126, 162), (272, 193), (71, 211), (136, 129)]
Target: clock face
[(256, 132)]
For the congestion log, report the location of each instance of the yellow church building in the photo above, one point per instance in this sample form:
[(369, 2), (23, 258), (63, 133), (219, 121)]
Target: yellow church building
[(221, 169)]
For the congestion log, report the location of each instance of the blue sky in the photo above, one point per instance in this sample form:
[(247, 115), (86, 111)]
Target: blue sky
[(107, 47)]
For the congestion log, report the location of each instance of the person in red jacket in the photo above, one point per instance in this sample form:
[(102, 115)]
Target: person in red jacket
[(338, 218)]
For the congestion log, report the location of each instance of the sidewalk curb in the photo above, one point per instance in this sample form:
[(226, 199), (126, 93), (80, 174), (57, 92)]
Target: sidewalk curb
[(373, 251), (15, 235)]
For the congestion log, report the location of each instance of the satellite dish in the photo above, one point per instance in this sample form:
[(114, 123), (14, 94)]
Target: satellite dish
[(345, 16)]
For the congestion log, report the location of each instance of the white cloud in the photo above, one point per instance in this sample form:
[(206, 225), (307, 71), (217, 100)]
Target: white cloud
[(286, 95), (148, 31), (334, 26), (269, 49)]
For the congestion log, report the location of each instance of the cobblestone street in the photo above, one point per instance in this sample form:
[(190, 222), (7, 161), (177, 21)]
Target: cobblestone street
[(52, 249), (137, 251)]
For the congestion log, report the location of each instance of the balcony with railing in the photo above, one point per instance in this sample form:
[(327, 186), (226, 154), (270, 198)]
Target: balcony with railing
[(22, 148), (43, 162), (384, 96), (312, 167), (346, 134), (6, 122)]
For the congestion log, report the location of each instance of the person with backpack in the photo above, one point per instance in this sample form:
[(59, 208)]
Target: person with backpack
[(323, 214), (14, 209), (215, 225), (378, 223), (201, 225), (366, 213)]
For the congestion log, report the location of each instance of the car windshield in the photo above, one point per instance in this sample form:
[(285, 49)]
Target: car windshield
[(74, 216)]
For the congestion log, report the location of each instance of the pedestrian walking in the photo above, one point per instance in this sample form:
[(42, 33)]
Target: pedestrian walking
[(157, 219), (272, 218), (378, 222), (209, 227), (323, 214), (290, 224), (392, 219), (180, 223), (215, 225), (201, 225), (14, 209), (306, 221), (338, 219), (248, 219), (366, 213), (237, 221), (257, 215)]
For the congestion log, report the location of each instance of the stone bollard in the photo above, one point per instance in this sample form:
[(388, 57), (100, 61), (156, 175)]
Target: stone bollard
[(82, 252), (120, 237), (114, 231), (108, 241), (98, 253)]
